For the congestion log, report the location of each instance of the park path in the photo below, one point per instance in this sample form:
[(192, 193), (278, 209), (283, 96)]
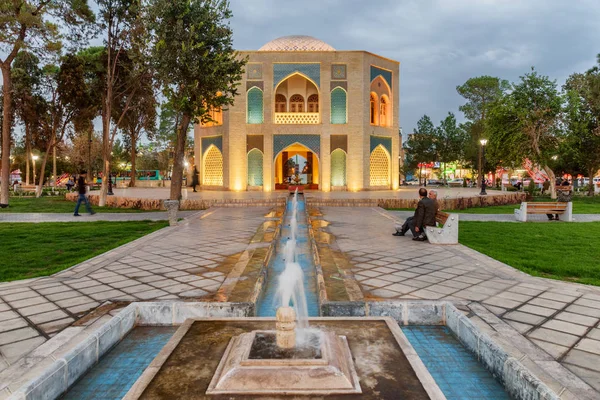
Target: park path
[(561, 318), (504, 217), (85, 217)]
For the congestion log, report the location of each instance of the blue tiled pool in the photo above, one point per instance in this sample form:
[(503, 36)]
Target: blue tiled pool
[(456, 370), (267, 306), (118, 370)]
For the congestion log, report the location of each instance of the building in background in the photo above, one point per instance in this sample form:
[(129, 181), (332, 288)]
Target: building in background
[(330, 116)]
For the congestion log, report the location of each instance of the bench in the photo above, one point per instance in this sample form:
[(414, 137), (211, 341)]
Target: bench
[(564, 188), (447, 230), (562, 208)]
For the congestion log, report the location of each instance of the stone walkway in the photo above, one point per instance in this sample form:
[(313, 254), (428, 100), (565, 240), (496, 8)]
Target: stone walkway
[(503, 217), (113, 217), (560, 317), (187, 261)]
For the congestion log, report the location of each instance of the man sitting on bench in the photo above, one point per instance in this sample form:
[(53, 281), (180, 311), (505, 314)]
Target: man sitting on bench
[(424, 216), (562, 196)]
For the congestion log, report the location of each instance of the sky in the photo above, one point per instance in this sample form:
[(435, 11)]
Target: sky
[(439, 43)]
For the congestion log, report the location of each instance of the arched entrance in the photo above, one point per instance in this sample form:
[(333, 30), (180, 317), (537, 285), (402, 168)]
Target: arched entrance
[(296, 158), (212, 167), (379, 168)]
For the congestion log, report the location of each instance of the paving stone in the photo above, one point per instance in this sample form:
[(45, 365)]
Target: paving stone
[(427, 294), (591, 377), (545, 312), (400, 288), (137, 288), (566, 327), (14, 351), (588, 303), (525, 290), (588, 311), (28, 302), (555, 337), (73, 301), (577, 318), (57, 325), (20, 295), (557, 305), (11, 324), (583, 359), (501, 302), (17, 335), (151, 294), (37, 309), (445, 290), (514, 296), (83, 307), (376, 282), (523, 317), (123, 283), (594, 334), (64, 295), (471, 295), (52, 289), (553, 349), (519, 326), (6, 315), (557, 297), (107, 295), (589, 345)]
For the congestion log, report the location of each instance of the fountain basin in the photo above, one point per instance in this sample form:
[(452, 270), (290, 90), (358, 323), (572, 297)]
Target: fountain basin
[(204, 352)]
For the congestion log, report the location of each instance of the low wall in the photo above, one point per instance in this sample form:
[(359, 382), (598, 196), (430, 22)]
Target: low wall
[(458, 203), (184, 205)]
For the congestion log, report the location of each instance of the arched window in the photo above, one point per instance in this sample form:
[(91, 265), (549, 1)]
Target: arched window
[(379, 167), (338, 167), (297, 103), (313, 103), (255, 106), (255, 168), (373, 102), (213, 167), (383, 111), (338, 106), (280, 103)]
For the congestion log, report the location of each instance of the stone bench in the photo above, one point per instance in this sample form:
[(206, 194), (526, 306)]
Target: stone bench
[(447, 232), (562, 208)]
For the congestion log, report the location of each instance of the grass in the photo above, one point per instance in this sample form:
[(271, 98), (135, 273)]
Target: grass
[(31, 250), (563, 251), (57, 204)]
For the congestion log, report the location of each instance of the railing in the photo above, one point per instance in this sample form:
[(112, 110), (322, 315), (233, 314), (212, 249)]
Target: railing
[(303, 118)]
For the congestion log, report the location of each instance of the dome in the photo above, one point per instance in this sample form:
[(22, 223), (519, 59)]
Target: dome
[(296, 43)]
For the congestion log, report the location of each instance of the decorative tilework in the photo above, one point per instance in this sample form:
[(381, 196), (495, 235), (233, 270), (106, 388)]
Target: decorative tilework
[(338, 71), (217, 141), (254, 71), (254, 113), (280, 142), (334, 84), (338, 168), (311, 70), (296, 43), (387, 75), (386, 142), (213, 167), (339, 114), (379, 168), (258, 84), (255, 168)]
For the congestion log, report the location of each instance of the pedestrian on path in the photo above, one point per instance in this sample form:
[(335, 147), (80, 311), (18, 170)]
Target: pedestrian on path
[(195, 178), (81, 187)]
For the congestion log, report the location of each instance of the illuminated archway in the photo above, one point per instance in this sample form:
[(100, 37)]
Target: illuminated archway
[(379, 168), (297, 156), (212, 167)]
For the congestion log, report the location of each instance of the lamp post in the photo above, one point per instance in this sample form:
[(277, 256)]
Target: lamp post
[(483, 143), (33, 158)]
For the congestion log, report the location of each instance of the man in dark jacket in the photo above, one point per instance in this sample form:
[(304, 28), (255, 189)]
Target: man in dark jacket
[(424, 216), (81, 188)]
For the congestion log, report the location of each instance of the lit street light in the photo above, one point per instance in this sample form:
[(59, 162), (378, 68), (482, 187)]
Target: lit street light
[(483, 143)]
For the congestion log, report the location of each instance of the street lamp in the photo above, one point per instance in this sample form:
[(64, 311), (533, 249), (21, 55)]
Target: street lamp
[(34, 157), (483, 143)]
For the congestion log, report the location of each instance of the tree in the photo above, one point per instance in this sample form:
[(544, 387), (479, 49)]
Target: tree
[(420, 146), (450, 141), (582, 118), (125, 40), (32, 25), (195, 64), (525, 123), (480, 92)]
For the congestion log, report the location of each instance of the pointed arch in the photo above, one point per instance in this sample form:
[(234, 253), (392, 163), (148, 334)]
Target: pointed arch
[(339, 106), (212, 167), (254, 102), (338, 167), (313, 103), (379, 167), (255, 167), (280, 103)]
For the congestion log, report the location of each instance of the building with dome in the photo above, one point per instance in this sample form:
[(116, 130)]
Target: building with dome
[(331, 116)]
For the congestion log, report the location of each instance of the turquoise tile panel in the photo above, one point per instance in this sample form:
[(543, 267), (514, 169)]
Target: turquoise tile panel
[(282, 71), (255, 106), (280, 142), (338, 168), (385, 141), (255, 168), (217, 141), (338, 106), (387, 75)]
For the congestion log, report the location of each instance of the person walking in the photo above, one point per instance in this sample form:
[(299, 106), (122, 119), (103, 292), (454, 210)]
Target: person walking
[(82, 188), (545, 186), (195, 180)]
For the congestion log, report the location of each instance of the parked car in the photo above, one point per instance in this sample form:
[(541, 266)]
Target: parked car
[(434, 182), (412, 182), (456, 182)]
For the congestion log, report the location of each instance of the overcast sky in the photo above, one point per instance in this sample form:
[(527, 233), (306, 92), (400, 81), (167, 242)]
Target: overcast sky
[(439, 43)]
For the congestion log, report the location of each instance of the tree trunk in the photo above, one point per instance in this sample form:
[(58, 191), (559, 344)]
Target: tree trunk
[(105, 147), (6, 123), (133, 155), (591, 173), (27, 153), (177, 175), (38, 191), (552, 178), (54, 164)]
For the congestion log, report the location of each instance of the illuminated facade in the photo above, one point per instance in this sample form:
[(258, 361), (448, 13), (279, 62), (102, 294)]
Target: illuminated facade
[(331, 116)]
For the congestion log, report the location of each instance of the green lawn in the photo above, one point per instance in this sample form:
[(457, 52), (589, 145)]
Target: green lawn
[(581, 205), (29, 250), (56, 204), (564, 251)]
